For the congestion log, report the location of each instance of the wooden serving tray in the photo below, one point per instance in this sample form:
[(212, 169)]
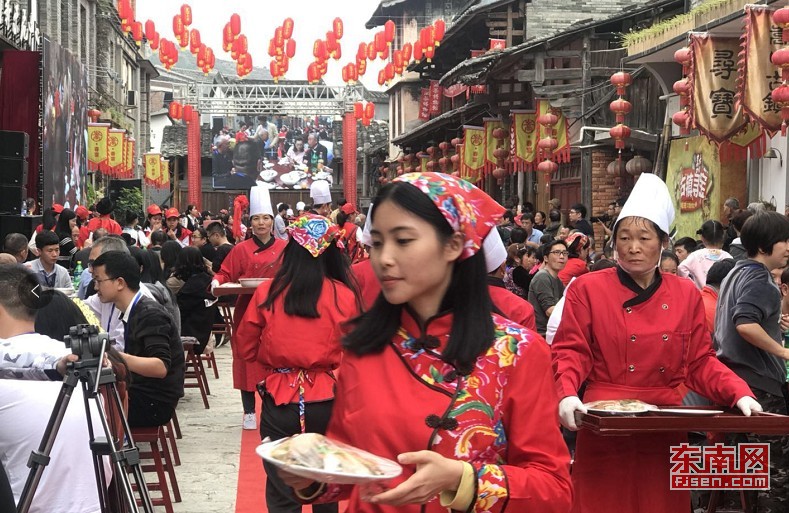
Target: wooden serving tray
[(233, 289), (728, 422)]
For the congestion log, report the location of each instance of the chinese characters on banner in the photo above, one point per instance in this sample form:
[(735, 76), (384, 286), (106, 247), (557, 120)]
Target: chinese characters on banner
[(524, 136), (758, 76), (473, 153), (454, 90), (435, 98), (165, 174), (714, 110), (491, 143), (153, 169), (693, 185), (115, 151), (129, 159), (424, 104), (97, 146)]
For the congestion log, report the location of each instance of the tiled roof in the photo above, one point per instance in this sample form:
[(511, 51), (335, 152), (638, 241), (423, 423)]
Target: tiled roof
[(174, 141)]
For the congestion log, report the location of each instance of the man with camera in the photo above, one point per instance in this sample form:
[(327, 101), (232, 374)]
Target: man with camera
[(154, 353)]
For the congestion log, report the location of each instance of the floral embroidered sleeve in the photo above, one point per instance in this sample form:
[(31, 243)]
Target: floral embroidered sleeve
[(536, 475)]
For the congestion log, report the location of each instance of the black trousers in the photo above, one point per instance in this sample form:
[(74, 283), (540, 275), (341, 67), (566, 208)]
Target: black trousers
[(282, 421), (144, 412)]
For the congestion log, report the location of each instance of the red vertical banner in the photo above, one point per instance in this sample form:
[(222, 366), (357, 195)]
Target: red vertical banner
[(195, 192), (435, 98), (349, 157), (424, 104)]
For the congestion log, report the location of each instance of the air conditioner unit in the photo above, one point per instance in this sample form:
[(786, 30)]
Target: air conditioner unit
[(132, 98)]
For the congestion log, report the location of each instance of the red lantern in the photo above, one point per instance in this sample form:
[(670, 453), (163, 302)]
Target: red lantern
[(361, 53), (385, 53), (780, 96), (547, 167), (337, 53), (682, 119), (183, 39), (381, 78), (194, 40), (235, 24), (352, 73), (621, 108), (369, 110), (331, 41), (319, 50), (781, 19), (407, 50), (274, 69), (358, 110), (397, 58), (380, 42), (499, 133), (439, 28), (337, 27), (154, 41), (94, 114), (176, 110), (780, 58), (227, 34), (389, 31), (186, 15), (124, 11), (418, 51), (619, 133), (287, 28), (290, 48), (621, 80), (150, 30), (361, 67), (372, 53), (547, 145), (178, 25), (682, 87), (137, 32), (312, 73), (430, 52), (549, 119), (187, 113), (499, 173), (345, 75), (454, 142), (426, 36)]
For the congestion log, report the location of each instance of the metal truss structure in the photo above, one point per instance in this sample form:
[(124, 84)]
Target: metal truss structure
[(268, 98)]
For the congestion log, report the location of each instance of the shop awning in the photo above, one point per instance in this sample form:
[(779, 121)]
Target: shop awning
[(461, 115)]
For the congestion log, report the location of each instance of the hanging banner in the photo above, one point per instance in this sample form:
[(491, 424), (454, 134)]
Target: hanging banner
[(562, 152), (153, 168), (97, 146), (758, 76), (454, 90), (424, 158), (129, 158), (713, 78), (424, 104), (473, 153), (523, 133), (115, 151), (435, 98), (164, 181), (491, 143)]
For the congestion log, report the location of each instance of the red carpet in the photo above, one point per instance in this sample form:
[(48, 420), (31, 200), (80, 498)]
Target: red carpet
[(251, 491)]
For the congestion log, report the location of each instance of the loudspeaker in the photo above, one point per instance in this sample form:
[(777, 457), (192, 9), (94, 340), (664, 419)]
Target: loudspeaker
[(13, 172), (18, 224), (14, 144), (11, 199)]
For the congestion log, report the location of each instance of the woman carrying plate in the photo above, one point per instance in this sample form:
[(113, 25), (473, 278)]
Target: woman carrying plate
[(293, 331), (633, 333), (462, 398), (256, 257)]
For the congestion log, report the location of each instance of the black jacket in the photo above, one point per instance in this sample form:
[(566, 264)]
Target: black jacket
[(312, 155), (151, 333), (196, 318)]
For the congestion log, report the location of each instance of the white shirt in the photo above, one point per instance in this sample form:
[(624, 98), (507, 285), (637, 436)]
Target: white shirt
[(62, 278), (109, 315), (138, 236), (22, 357), (556, 316), (68, 485)]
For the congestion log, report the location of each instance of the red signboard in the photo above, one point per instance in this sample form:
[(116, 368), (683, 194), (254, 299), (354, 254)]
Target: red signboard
[(435, 97), (498, 44), (424, 104), (693, 185)]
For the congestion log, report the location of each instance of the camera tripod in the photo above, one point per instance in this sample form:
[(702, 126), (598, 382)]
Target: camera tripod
[(124, 455)]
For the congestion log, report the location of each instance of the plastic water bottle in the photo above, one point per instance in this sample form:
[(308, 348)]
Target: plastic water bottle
[(23, 211), (77, 276)]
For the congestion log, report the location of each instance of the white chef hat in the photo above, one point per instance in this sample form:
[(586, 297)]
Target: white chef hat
[(367, 239), (300, 206), (651, 200), (320, 192), (289, 212), (260, 201), (495, 252)]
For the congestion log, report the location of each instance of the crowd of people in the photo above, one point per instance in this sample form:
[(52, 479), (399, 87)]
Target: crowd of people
[(441, 330)]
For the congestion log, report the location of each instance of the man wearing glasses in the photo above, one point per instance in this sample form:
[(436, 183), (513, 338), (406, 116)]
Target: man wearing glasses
[(577, 218), (546, 288)]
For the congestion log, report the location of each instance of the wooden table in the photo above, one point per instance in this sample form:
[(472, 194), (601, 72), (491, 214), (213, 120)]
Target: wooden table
[(728, 422), (232, 289)]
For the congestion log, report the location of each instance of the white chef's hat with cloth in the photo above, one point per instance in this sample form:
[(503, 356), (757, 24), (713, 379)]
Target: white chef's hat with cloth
[(367, 239), (300, 206), (495, 252), (651, 200), (320, 192), (260, 202)]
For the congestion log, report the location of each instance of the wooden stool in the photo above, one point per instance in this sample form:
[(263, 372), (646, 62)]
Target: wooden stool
[(210, 361), (161, 464), (169, 433), (176, 425), (193, 369)]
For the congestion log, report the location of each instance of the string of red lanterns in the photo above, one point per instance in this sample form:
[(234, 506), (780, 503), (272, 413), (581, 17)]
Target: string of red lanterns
[(620, 107), (681, 118), (364, 111), (282, 47), (547, 145), (780, 58), (323, 50)]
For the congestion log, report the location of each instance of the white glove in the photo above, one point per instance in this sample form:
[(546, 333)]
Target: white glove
[(748, 405), (214, 284), (567, 408)]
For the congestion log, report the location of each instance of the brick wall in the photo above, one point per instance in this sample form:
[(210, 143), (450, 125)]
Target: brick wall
[(605, 188)]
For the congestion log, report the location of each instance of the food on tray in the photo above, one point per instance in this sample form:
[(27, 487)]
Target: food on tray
[(268, 175), (317, 452), (621, 405)]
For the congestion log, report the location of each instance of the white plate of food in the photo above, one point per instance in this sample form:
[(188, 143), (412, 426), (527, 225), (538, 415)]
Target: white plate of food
[(313, 456), (620, 407), (268, 175), (293, 177), (251, 282), (687, 412)]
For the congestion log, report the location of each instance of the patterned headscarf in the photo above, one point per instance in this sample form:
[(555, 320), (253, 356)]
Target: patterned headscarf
[(466, 208), (315, 233), (577, 241)]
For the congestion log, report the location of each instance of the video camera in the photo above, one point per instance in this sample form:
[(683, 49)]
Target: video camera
[(602, 218), (86, 342)]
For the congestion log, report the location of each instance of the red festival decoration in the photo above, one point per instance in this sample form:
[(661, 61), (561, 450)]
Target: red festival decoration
[(193, 156), (349, 157), (780, 58), (682, 117), (620, 107)]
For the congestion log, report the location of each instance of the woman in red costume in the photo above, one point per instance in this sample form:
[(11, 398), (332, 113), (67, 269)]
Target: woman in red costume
[(461, 397), (631, 332), (256, 257)]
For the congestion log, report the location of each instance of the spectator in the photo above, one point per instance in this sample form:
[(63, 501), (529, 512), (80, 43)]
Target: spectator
[(192, 218), (730, 208), (709, 294), (191, 283), (315, 153), (509, 265), (522, 274), (15, 244), (296, 153), (506, 224), (158, 238), (546, 288), (668, 262), (510, 305), (131, 227), (104, 207), (539, 220), (518, 236), (736, 249), (577, 218), (66, 223), (696, 265), (45, 266), (153, 353), (154, 220), (218, 239), (554, 223), (175, 230), (749, 335), (200, 241), (578, 246), (533, 236), (169, 255), (684, 247), (281, 222)]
